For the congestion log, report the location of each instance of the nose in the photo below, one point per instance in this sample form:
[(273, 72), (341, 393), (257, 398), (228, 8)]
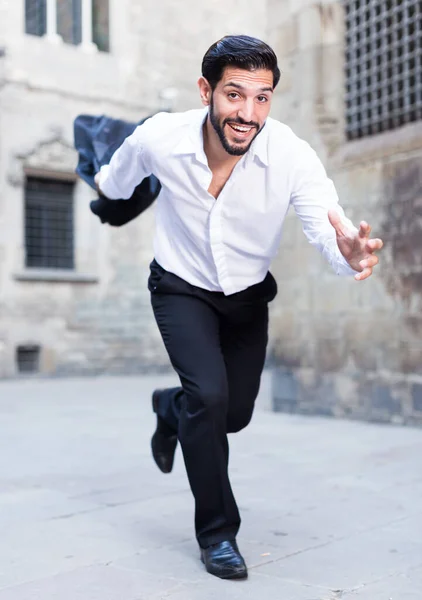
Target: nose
[(246, 112)]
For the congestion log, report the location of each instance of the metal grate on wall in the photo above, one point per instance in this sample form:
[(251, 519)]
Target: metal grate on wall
[(383, 65), (49, 240), (28, 359)]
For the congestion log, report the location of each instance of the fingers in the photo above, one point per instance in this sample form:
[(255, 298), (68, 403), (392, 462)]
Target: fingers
[(363, 274), (370, 262), (364, 229), (375, 244)]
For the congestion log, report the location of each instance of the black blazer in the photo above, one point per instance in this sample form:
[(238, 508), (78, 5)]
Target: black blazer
[(96, 140)]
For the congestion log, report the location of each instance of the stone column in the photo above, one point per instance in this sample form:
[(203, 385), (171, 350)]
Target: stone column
[(87, 44), (52, 35)]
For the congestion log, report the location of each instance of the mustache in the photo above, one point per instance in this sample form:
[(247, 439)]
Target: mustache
[(239, 121)]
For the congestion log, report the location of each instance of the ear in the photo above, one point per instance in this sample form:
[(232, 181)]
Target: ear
[(205, 91)]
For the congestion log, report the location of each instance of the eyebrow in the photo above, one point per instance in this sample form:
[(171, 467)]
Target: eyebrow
[(241, 87)]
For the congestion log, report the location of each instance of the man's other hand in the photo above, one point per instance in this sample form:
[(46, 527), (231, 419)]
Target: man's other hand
[(356, 246)]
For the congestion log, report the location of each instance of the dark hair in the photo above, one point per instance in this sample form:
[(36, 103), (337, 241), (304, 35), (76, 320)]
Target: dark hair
[(239, 51)]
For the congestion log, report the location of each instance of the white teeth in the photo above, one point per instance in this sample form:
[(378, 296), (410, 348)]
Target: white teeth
[(241, 129)]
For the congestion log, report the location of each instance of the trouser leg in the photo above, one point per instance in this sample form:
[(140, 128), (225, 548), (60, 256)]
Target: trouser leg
[(244, 350), (190, 329), (244, 344)]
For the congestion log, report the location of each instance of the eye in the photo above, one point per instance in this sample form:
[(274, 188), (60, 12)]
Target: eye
[(233, 95), (262, 99)]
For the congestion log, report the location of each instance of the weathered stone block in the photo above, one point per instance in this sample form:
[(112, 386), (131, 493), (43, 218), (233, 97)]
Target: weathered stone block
[(331, 355), (384, 402), (293, 353), (285, 391), (317, 397), (417, 397)]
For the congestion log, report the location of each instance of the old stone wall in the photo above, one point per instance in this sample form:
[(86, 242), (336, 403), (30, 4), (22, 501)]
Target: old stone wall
[(342, 347), (97, 318), (337, 346)]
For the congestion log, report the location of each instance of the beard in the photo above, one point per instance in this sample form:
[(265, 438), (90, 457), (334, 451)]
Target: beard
[(219, 129)]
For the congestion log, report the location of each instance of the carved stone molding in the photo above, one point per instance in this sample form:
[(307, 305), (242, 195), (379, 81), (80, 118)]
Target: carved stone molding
[(48, 157)]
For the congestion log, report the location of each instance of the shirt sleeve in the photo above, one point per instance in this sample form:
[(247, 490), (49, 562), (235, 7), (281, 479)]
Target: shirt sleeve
[(126, 169), (313, 195)]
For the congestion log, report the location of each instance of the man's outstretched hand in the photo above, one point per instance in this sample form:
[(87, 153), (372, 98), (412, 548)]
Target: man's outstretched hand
[(356, 246)]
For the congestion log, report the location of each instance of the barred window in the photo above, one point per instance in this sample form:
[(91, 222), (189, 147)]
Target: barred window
[(49, 239), (383, 65), (28, 359)]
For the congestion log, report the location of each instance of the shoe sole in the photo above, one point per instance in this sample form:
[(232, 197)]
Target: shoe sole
[(237, 576)]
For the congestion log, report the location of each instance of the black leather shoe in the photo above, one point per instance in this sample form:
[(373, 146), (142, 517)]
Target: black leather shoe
[(164, 441), (224, 560)]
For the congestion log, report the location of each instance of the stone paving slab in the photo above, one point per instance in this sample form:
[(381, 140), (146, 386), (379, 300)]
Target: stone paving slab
[(332, 510)]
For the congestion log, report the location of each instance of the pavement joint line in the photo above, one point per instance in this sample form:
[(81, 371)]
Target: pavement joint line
[(145, 572), (296, 582), (50, 576), (166, 594), (385, 578), (106, 506), (88, 565), (335, 540), (296, 553), (346, 591), (108, 564)]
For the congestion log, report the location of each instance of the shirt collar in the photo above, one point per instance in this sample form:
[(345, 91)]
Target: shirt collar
[(259, 148), (193, 141)]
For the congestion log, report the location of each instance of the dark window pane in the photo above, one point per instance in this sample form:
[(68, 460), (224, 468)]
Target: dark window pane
[(28, 359), (101, 24), (69, 20), (49, 223), (390, 70), (35, 17)]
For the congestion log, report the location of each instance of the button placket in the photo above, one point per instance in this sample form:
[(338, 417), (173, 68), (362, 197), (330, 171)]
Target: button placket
[(216, 233)]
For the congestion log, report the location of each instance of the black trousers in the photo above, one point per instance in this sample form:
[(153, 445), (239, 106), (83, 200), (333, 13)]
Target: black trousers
[(217, 345)]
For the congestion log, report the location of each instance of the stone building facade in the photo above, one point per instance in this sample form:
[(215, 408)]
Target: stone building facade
[(95, 316), (353, 88), (337, 346)]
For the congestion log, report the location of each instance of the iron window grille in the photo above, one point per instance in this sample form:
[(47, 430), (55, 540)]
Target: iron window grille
[(49, 226), (28, 359), (383, 65)]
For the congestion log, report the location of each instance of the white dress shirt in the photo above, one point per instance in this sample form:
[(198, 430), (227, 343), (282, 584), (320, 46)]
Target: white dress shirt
[(225, 244)]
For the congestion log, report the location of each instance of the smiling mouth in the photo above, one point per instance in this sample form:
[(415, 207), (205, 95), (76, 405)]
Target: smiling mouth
[(241, 131)]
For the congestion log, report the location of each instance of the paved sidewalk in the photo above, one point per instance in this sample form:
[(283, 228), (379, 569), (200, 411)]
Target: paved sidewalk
[(331, 509)]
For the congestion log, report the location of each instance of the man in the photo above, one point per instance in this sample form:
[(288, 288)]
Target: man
[(228, 175)]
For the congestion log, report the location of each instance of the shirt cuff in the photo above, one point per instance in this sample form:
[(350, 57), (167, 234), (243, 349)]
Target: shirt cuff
[(106, 185)]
